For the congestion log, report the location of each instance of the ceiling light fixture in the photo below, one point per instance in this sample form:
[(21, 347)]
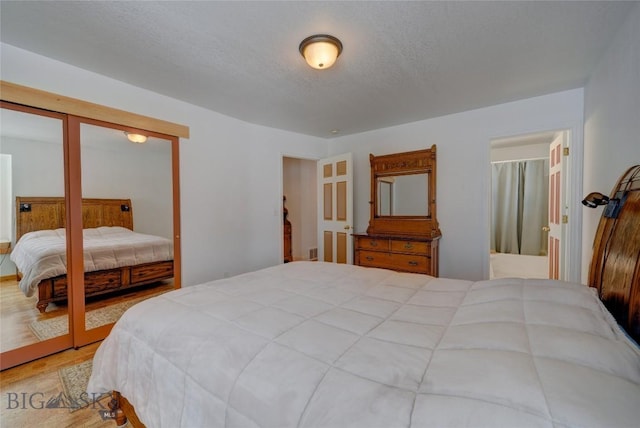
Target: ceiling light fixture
[(136, 138), (320, 50)]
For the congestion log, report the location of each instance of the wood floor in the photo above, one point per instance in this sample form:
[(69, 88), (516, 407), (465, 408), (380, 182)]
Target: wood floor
[(17, 311), (24, 390)]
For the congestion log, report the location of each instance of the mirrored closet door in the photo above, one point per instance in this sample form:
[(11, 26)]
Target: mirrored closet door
[(128, 221), (33, 233)]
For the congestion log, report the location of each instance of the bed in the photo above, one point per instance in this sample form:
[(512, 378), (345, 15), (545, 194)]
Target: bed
[(115, 257), (328, 345)]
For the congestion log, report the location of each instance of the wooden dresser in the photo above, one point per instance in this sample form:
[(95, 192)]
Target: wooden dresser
[(405, 254), (403, 232)]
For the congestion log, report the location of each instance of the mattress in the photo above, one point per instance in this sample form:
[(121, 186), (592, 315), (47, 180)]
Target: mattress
[(326, 345), (43, 254)]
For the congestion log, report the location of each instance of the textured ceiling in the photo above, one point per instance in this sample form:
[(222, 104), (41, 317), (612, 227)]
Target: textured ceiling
[(402, 61)]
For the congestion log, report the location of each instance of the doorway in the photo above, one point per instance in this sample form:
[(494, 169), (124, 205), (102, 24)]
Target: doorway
[(520, 205), (299, 189)]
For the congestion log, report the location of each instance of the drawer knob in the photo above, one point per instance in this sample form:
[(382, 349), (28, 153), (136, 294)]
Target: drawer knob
[(408, 246), (369, 258), (373, 243), (412, 263)]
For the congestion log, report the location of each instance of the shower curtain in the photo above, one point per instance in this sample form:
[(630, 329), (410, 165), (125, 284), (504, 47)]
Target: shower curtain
[(520, 206)]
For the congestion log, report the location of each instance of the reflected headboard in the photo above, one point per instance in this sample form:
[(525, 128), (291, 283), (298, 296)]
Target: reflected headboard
[(41, 213), (615, 266)]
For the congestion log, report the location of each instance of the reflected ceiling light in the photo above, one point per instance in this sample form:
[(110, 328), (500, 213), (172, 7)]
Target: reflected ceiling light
[(136, 138), (320, 50)]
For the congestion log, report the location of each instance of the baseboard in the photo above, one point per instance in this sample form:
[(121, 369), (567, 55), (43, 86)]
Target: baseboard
[(9, 278)]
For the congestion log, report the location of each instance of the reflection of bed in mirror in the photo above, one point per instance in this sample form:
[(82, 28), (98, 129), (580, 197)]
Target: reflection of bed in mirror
[(115, 257)]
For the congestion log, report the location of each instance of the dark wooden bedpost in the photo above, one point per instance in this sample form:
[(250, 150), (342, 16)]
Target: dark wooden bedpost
[(116, 409)]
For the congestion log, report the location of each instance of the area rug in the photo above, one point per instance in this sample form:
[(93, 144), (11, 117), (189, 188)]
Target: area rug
[(58, 326), (74, 381)]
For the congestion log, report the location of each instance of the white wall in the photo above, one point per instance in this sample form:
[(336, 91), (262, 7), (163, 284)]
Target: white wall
[(230, 180), (6, 196), (463, 175), (612, 121), (6, 212), (140, 172)]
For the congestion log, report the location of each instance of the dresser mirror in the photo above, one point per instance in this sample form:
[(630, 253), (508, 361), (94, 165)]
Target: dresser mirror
[(396, 195), (403, 193)]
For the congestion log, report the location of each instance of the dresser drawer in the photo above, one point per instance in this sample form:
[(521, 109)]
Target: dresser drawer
[(413, 247), (372, 244), (399, 262)]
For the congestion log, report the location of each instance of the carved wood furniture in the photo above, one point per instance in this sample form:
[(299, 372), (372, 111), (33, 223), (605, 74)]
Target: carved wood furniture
[(286, 231), (615, 266), (406, 254), (403, 232), (42, 213)]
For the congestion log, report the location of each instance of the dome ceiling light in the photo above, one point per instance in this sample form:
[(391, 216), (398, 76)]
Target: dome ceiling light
[(136, 138), (320, 50)]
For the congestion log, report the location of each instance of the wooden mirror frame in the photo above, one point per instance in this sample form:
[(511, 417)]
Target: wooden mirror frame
[(406, 163)]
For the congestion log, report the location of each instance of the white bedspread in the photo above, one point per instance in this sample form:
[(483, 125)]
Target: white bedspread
[(326, 345), (42, 254)]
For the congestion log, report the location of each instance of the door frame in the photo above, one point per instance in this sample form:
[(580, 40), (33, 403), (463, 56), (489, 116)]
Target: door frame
[(572, 253), (278, 211)]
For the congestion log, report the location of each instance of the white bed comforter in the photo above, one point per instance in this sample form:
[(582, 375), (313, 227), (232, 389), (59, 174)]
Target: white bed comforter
[(315, 344), (43, 254)]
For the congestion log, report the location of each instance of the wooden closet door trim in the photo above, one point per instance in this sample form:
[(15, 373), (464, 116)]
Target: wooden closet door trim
[(49, 101), (73, 183)]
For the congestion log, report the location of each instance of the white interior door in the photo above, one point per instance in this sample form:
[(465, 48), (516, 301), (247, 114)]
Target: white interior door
[(335, 209), (557, 206)]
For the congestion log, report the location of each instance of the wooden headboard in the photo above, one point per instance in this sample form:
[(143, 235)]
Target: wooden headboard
[(41, 213), (615, 266)]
